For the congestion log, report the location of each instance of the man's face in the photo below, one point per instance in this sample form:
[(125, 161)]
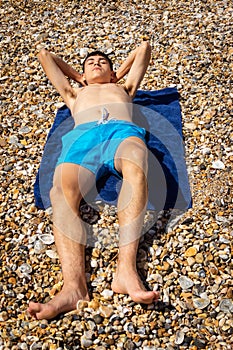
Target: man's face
[(97, 70)]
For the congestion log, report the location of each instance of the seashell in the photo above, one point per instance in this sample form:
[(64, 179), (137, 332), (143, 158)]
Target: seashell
[(218, 164), (52, 254), (202, 302), (179, 337), (39, 246), (83, 52), (25, 268), (46, 238), (129, 327)]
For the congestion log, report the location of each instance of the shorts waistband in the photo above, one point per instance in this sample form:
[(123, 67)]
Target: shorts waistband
[(97, 123)]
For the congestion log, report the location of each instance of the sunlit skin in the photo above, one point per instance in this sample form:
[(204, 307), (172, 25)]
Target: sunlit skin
[(71, 181)]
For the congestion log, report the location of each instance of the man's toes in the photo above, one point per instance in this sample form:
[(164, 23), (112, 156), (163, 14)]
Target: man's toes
[(156, 296), (34, 308)]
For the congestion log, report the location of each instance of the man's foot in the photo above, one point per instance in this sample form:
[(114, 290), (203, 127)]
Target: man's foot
[(64, 301), (125, 282)]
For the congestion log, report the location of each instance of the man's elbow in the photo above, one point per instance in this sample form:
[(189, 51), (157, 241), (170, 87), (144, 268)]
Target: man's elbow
[(146, 46), (43, 53)]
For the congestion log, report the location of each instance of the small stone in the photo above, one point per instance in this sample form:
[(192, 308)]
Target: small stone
[(226, 305), (190, 126), (106, 311), (98, 319), (12, 280), (3, 142), (3, 316), (199, 258), (24, 130), (85, 342), (82, 304), (192, 251), (14, 140), (185, 282), (200, 344), (191, 261), (93, 304), (107, 294)]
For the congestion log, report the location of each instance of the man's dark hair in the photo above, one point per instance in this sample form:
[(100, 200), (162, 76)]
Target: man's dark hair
[(98, 53)]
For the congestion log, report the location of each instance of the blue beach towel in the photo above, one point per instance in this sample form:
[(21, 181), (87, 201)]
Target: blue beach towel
[(159, 113)]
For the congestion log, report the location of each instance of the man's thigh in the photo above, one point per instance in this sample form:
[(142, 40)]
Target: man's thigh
[(131, 154), (73, 177)]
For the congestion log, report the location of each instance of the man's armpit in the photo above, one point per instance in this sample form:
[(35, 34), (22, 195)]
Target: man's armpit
[(126, 90), (70, 92)]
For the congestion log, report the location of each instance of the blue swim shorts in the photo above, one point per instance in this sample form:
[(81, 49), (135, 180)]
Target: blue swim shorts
[(93, 145)]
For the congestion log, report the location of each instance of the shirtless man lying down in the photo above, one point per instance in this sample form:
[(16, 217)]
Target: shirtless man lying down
[(104, 139)]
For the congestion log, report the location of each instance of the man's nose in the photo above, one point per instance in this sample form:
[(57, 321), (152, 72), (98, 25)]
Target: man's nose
[(96, 63)]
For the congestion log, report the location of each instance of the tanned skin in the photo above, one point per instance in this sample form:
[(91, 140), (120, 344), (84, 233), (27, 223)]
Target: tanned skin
[(71, 181)]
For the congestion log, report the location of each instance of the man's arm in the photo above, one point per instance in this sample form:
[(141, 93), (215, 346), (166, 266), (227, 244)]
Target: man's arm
[(57, 70), (136, 65)]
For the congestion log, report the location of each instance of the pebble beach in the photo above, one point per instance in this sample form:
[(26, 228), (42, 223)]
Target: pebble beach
[(188, 261)]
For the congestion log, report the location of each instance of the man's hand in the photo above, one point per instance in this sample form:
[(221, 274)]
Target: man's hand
[(114, 78), (81, 80)]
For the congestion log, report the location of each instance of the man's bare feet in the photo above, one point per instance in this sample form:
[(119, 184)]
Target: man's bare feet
[(125, 282), (64, 301)]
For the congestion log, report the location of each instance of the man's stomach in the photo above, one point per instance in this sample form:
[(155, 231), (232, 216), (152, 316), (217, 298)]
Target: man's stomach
[(103, 113)]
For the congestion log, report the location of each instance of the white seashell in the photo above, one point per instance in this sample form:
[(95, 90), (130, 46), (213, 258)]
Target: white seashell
[(218, 164), (83, 52), (201, 303), (38, 246), (40, 226), (179, 337), (46, 238), (51, 254), (25, 268)]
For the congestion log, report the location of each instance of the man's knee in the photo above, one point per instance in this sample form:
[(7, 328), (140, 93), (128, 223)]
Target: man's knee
[(136, 164), (55, 193), (58, 193)]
